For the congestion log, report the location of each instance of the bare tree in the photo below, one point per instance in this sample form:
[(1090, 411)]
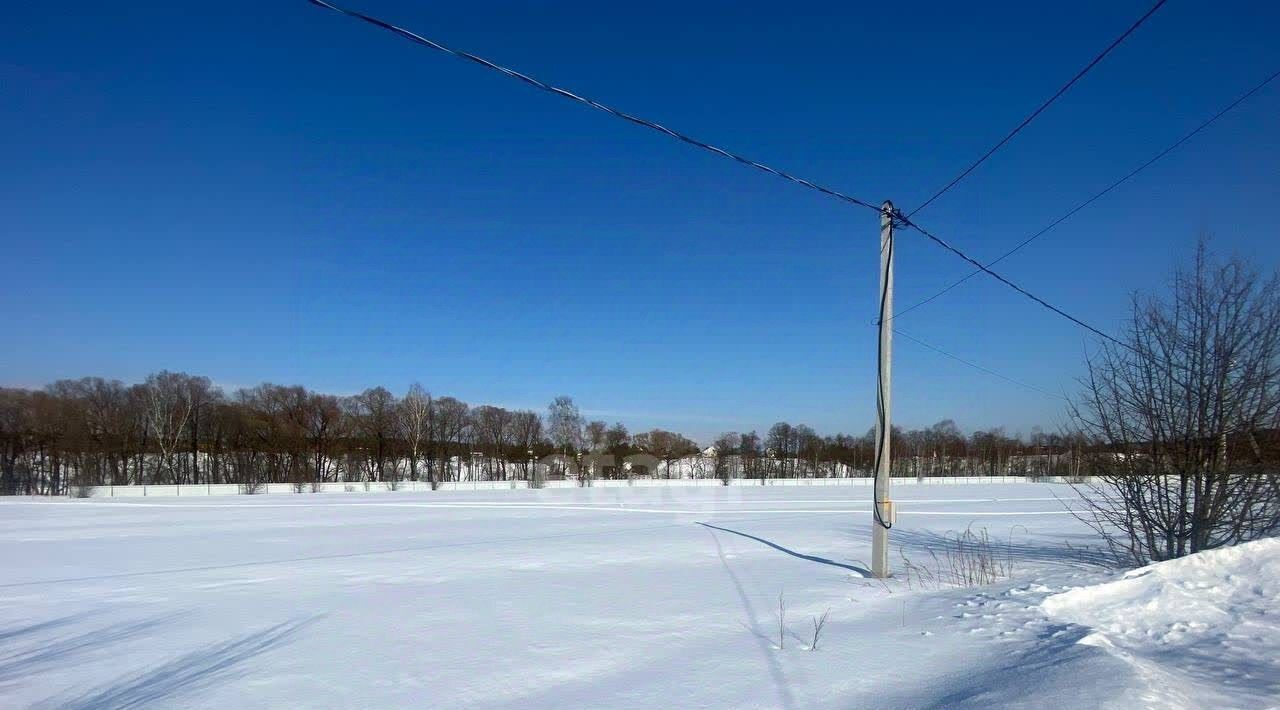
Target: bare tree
[(667, 446), (617, 443), (1175, 416), (113, 424), (493, 434), (750, 451), (724, 452), (452, 421), (526, 427), (324, 427), (274, 424), (202, 395), (415, 424), (71, 456), (375, 419), (783, 443), (564, 424), (808, 448), (169, 409), (14, 437), (594, 435)]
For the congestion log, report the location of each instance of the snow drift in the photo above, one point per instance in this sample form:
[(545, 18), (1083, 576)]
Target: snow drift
[(1201, 630)]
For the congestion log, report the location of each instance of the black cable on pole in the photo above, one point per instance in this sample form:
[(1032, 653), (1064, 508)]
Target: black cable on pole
[(1071, 213), (943, 243), (881, 422), (594, 104), (976, 366), (1079, 75)]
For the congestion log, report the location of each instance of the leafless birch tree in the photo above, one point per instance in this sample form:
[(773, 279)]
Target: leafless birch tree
[(169, 408), (414, 418)]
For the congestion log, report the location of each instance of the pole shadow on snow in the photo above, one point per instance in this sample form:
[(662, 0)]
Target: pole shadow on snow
[(192, 672), (811, 558)]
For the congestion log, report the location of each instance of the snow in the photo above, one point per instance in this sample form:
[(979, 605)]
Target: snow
[(1202, 630), (633, 598)]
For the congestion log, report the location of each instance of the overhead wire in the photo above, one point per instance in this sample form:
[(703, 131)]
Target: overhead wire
[(975, 366), (1026, 121), (1072, 212), (897, 214), (946, 245), (631, 118)]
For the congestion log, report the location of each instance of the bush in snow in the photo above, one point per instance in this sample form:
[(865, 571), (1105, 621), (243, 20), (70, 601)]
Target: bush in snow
[(1182, 417), (819, 622), (970, 559)]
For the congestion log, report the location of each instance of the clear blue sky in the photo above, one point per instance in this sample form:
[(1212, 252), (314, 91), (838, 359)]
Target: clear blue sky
[(268, 191)]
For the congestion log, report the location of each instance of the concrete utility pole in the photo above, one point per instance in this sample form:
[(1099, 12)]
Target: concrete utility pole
[(883, 515)]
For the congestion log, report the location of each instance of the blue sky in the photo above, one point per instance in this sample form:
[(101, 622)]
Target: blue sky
[(271, 192)]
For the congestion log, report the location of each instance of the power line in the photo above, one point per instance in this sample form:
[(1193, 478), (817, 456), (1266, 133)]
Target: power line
[(904, 219), (975, 366), (1042, 107), (594, 104), (1070, 213), (943, 243)]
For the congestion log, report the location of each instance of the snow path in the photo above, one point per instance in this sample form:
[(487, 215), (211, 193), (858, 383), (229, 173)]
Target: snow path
[(546, 598)]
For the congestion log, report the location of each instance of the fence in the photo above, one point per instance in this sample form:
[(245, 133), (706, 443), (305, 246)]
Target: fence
[(230, 489)]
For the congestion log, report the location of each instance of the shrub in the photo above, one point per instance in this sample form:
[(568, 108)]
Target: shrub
[(819, 622), (970, 559)]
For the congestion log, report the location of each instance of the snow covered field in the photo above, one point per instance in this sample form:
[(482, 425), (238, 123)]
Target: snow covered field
[(663, 597)]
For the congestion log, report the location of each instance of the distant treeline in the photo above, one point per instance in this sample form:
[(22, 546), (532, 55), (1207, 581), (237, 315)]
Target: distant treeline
[(176, 428)]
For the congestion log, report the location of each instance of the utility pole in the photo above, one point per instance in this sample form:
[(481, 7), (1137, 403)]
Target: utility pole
[(882, 506)]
